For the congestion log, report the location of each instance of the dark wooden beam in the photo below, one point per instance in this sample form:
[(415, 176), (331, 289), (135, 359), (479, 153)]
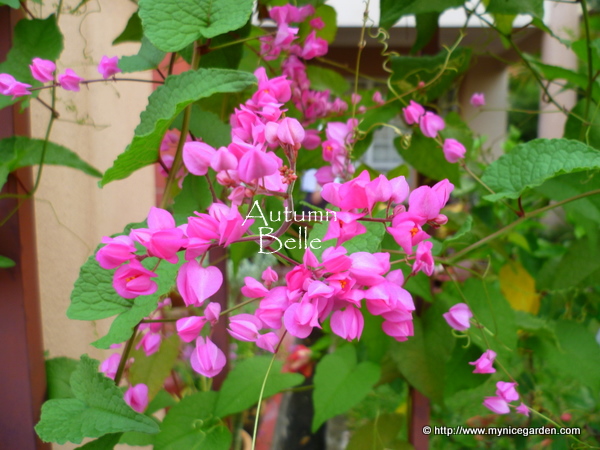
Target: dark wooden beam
[(23, 375)]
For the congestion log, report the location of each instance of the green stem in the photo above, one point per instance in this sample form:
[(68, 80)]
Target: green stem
[(361, 46), (262, 392), (557, 425), (166, 199), (521, 219), (590, 74), (125, 355)]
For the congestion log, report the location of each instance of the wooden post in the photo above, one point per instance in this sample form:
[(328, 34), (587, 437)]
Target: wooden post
[(23, 375)]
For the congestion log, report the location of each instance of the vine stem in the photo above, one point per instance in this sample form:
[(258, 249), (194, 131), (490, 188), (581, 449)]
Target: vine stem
[(590, 74), (521, 219), (185, 127), (262, 391), (98, 80), (125, 355)]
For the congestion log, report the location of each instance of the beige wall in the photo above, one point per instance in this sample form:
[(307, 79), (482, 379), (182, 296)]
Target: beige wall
[(564, 22), (72, 213)]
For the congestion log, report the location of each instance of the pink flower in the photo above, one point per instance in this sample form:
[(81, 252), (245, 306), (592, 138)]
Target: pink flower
[(523, 409), (317, 23), (314, 46), (150, 343), (345, 227), (244, 327), (424, 259), (10, 86), (133, 279), (269, 276), (347, 323), (400, 331), (110, 365), (287, 132), (413, 113), (137, 397), (485, 363), (268, 342), (377, 98), (42, 69), (212, 312), (253, 288), (453, 150), (497, 405), (507, 391), (196, 283), (117, 251), (311, 139), (478, 99), (161, 238), (207, 359), (458, 317), (400, 189), (256, 164), (300, 319), (188, 328), (197, 157), (108, 66), (431, 123), (70, 80)]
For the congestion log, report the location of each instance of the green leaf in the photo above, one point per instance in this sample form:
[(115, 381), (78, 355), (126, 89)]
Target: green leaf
[(584, 212), (147, 58), (97, 409), (105, 442), (322, 79), (575, 266), (195, 196), (529, 165), (367, 242), (12, 3), (20, 151), (495, 313), (133, 31), (420, 285), (512, 7), (422, 358), (392, 10), (588, 133), (154, 369), (463, 234), (58, 376), (426, 156), (380, 434), (32, 38), (580, 49), (340, 383), (459, 374), (173, 25), (328, 32), (6, 263), (577, 358), (409, 71), (552, 73), (193, 425), (122, 327), (207, 125), (241, 388), (427, 25), (164, 105)]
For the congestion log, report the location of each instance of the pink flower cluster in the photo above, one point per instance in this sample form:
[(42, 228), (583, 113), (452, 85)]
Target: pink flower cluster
[(249, 165), (459, 317), (42, 70), (430, 124), (272, 46)]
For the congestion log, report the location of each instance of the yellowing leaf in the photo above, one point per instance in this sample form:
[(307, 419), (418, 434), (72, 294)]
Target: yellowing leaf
[(519, 288)]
